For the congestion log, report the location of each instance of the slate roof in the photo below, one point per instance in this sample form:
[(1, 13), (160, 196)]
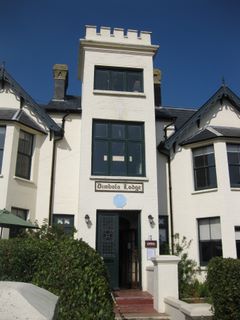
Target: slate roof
[(181, 115), (20, 116), (222, 93), (5, 77), (69, 104), (213, 132)]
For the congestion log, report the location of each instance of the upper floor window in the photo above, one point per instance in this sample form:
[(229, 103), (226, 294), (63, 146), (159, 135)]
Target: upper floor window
[(118, 148), (210, 239), (204, 168), (118, 79), (24, 156), (65, 221), (2, 140), (233, 153)]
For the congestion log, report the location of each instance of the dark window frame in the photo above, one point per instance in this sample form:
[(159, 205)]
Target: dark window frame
[(23, 156), (16, 231), (109, 140), (125, 73), (2, 147), (211, 243), (68, 229), (233, 165), (206, 168), (164, 245)]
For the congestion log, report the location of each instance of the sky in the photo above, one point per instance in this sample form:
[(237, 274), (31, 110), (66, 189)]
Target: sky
[(198, 39)]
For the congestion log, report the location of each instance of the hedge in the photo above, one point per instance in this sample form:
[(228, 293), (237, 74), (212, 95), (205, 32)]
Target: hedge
[(223, 281), (68, 268)]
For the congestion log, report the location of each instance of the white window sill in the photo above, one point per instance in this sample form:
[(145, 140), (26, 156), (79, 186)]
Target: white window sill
[(205, 191), (235, 189), (120, 93), (23, 180), (119, 178)]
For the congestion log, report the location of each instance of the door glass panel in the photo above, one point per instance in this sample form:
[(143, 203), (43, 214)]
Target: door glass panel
[(100, 157)]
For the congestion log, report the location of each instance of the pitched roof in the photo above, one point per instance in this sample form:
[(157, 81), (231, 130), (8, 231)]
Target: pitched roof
[(28, 100), (213, 132), (20, 116), (221, 93), (69, 104)]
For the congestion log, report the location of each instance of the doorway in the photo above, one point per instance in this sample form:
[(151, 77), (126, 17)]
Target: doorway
[(118, 242)]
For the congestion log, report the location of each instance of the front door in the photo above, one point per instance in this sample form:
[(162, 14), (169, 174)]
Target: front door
[(108, 244)]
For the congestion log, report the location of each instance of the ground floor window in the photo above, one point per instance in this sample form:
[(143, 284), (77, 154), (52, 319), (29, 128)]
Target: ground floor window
[(21, 213), (210, 239), (66, 221), (237, 237), (163, 235)]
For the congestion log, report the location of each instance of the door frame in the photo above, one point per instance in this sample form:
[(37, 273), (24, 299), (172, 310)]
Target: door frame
[(139, 249)]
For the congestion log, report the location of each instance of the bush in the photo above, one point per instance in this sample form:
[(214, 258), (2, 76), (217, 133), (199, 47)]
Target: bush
[(223, 281), (187, 268), (68, 268)]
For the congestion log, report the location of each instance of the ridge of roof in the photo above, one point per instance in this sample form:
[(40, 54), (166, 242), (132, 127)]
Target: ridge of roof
[(6, 77), (222, 92)]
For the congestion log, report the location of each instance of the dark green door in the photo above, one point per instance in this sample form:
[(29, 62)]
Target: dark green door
[(108, 244)]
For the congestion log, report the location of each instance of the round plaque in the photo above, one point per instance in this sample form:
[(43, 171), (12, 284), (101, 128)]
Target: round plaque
[(119, 201)]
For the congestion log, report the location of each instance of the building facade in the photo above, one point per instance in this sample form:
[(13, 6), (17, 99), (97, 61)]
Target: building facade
[(125, 171)]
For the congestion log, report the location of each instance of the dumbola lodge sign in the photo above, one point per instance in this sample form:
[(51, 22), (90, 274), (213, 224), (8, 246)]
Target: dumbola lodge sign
[(118, 187)]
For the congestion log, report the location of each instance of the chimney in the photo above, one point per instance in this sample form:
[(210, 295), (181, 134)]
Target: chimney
[(60, 75), (157, 76)]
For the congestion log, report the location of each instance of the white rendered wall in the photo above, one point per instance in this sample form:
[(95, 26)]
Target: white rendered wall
[(223, 201), (126, 107)]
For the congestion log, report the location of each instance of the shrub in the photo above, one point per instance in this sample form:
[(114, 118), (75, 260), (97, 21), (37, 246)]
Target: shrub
[(68, 268), (187, 268), (223, 280)]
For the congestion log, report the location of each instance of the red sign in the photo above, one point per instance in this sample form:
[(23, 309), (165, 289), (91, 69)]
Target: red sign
[(150, 244)]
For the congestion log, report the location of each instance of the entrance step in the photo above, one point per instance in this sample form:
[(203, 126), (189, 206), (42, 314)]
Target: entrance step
[(136, 304)]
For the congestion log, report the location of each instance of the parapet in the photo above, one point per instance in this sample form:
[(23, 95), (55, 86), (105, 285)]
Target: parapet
[(118, 35)]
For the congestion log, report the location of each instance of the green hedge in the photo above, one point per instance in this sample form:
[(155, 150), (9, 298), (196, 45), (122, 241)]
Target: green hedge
[(68, 268), (223, 281)]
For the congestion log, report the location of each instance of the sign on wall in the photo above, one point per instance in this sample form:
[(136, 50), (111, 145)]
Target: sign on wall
[(118, 187)]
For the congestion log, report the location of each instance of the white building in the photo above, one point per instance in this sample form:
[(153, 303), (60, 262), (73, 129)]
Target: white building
[(114, 162)]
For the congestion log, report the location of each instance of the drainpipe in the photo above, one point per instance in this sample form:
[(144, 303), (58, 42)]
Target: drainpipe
[(170, 192), (52, 179)]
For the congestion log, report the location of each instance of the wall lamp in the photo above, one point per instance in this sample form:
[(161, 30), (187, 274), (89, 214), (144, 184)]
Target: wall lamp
[(87, 220), (151, 220)]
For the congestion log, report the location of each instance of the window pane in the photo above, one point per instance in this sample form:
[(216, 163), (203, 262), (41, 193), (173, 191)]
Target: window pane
[(23, 166), (21, 213), (118, 131), (234, 172), (102, 79), (25, 143), (200, 178), (233, 158), (204, 230), (66, 221), (233, 148), (215, 229), (2, 137), (135, 158), (117, 81), (211, 177), (100, 130), (118, 160), (199, 161), (134, 81), (135, 132), (100, 157)]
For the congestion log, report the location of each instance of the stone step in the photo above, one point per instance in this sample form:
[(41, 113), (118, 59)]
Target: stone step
[(142, 317), (134, 300)]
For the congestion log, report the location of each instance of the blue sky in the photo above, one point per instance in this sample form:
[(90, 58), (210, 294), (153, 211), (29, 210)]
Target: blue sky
[(199, 42)]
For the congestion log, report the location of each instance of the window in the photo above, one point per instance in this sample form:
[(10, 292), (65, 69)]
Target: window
[(66, 221), (21, 213), (233, 153), (163, 235), (210, 239), (118, 79), (24, 156), (237, 238), (204, 168), (118, 149), (2, 140)]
